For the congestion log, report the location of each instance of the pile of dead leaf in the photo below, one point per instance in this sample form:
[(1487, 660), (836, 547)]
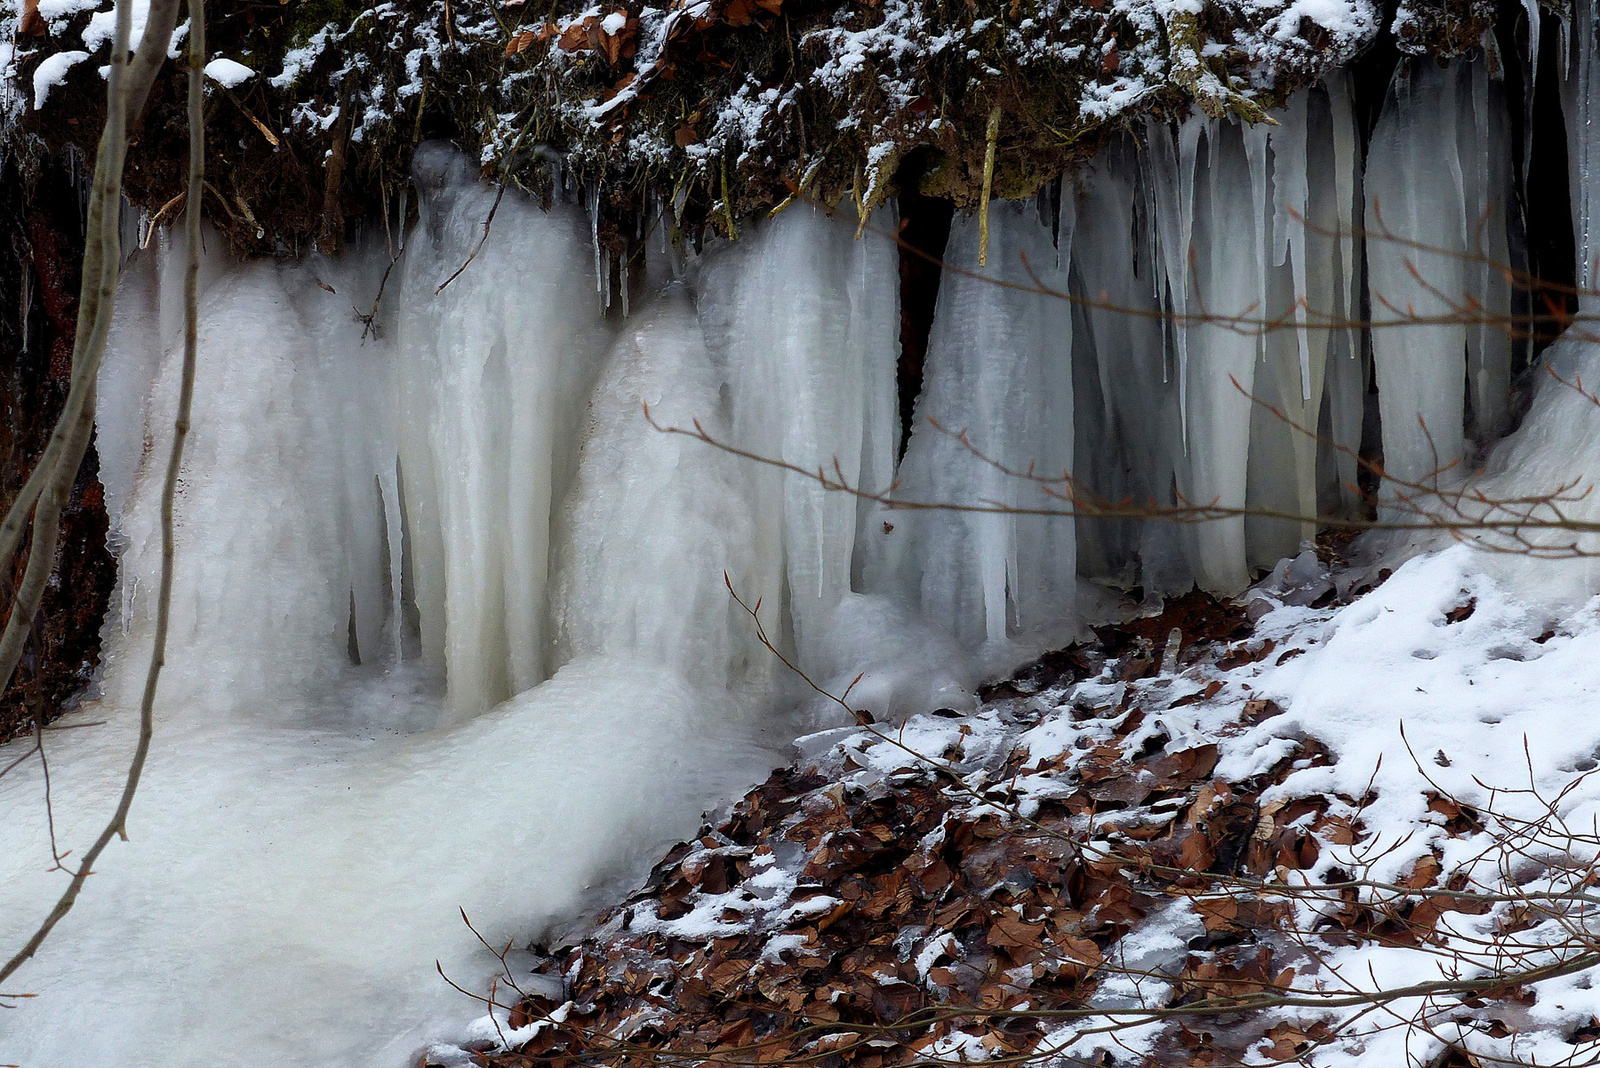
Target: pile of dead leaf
[(929, 894)]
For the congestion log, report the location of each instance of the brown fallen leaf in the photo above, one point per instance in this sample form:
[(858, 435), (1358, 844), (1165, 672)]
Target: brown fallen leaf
[(1009, 929), (520, 42)]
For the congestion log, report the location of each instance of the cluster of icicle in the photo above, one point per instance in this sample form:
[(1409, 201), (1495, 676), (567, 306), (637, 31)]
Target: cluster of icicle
[(468, 479), (468, 476), (1223, 344)]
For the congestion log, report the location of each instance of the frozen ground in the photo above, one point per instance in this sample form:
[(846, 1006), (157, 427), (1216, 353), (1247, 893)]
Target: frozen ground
[(1332, 733)]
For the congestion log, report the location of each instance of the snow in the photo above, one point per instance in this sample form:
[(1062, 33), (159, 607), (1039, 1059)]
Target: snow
[(103, 25), (55, 10), (228, 73), (51, 72)]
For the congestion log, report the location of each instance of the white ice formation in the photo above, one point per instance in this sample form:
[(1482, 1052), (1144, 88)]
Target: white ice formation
[(453, 624)]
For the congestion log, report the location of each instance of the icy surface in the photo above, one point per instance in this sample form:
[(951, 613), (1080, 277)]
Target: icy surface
[(291, 890)]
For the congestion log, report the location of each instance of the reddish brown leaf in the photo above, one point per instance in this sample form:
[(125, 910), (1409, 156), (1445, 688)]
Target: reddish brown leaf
[(1009, 929)]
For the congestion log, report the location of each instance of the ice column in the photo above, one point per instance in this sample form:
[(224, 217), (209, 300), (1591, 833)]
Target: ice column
[(1346, 377), (1114, 265), (1220, 372), (1308, 288), (999, 367), (495, 379), (1431, 194), (815, 323)]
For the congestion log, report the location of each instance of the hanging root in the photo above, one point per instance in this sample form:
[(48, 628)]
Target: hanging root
[(991, 138)]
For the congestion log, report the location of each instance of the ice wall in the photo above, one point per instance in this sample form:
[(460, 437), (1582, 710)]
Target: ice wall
[(1177, 325)]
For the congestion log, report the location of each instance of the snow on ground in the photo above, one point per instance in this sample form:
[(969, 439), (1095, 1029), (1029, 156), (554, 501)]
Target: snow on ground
[(1393, 732)]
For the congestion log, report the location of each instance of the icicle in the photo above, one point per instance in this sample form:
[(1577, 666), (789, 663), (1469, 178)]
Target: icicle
[(1347, 179), (1113, 260), (394, 541), (1485, 151), (405, 204), (599, 252), (132, 360), (1299, 278), (999, 367), (1188, 148), (1222, 360), (1256, 138), (1580, 103), (262, 614), (1170, 168), (1529, 83), (25, 302), (1327, 284), (1289, 195), (1414, 182)]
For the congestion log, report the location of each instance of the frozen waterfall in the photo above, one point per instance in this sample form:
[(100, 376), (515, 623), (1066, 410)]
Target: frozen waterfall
[(452, 626)]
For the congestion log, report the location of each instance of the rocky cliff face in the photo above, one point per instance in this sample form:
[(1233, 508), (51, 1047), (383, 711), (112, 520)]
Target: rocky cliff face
[(41, 227)]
